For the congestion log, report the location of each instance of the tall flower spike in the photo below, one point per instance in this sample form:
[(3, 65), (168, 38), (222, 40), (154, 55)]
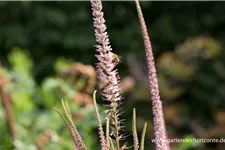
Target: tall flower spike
[(158, 119), (107, 75)]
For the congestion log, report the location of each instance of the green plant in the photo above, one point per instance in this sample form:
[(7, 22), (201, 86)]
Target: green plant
[(26, 105)]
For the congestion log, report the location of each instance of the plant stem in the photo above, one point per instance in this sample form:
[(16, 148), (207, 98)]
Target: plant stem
[(6, 103)]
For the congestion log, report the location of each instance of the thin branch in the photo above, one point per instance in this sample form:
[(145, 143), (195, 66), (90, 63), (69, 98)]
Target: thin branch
[(6, 103)]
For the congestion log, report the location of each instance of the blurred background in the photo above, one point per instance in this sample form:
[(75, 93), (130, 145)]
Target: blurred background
[(47, 54)]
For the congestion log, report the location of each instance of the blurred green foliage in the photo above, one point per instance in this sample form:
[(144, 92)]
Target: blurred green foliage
[(53, 29), (32, 106)]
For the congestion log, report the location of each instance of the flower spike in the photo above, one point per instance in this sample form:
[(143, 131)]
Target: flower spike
[(100, 128), (78, 141), (106, 72), (135, 137), (158, 119)]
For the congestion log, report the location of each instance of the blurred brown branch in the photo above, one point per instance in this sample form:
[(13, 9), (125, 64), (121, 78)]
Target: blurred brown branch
[(6, 103)]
